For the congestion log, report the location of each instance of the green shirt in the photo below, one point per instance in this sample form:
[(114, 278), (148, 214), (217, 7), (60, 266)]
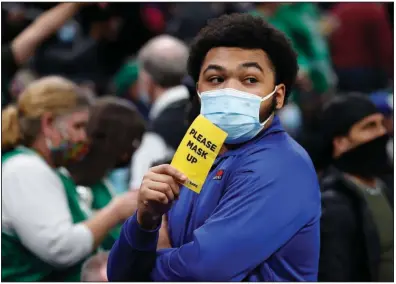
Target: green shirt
[(102, 194), (382, 215)]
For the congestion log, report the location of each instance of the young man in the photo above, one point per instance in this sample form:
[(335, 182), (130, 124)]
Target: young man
[(357, 220), (257, 216)]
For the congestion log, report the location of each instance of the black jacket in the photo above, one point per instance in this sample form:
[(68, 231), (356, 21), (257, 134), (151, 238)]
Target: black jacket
[(350, 247), (171, 123), (9, 67)]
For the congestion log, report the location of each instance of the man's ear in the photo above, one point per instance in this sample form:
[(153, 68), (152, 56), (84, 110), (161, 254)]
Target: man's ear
[(340, 145), (280, 94)]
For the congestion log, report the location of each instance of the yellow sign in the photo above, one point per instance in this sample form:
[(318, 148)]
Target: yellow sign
[(197, 152)]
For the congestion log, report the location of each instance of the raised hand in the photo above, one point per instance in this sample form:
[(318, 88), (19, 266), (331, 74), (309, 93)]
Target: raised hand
[(159, 188)]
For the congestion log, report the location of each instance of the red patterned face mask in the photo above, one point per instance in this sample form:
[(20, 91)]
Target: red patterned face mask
[(74, 151), (69, 152)]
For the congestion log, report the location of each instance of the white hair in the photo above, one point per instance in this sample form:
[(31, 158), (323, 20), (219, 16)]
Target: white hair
[(164, 58)]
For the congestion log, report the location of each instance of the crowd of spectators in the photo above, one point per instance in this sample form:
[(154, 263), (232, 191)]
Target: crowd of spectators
[(127, 62)]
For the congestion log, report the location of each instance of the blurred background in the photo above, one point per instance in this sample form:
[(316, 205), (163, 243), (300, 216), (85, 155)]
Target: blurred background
[(342, 47)]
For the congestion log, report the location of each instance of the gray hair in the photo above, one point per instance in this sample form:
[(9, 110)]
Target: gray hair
[(164, 58)]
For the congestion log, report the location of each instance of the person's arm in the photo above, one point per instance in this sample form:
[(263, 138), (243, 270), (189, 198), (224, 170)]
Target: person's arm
[(338, 238), (26, 43), (152, 149), (103, 195), (103, 224), (260, 211)]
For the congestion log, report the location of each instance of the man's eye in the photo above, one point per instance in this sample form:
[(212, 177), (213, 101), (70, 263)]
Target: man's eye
[(251, 80), (216, 80)]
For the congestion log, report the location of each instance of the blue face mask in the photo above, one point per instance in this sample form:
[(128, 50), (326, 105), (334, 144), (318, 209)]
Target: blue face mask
[(235, 112), (67, 33)]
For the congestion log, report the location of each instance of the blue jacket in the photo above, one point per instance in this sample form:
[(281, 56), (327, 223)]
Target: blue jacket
[(256, 219)]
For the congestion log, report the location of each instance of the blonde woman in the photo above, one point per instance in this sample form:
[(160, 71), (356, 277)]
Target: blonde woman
[(44, 235)]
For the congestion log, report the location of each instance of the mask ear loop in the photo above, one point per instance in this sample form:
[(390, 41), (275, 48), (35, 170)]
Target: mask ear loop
[(264, 99), (265, 121), (269, 95)]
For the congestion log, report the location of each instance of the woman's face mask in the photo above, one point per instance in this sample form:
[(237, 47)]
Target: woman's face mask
[(67, 151), (97, 163), (73, 144)]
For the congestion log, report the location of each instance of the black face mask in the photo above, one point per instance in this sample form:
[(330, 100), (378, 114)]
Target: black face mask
[(367, 160)]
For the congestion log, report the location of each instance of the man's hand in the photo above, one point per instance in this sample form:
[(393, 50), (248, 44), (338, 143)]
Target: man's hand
[(160, 187)]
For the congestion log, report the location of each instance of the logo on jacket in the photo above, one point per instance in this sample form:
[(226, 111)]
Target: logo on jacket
[(219, 175)]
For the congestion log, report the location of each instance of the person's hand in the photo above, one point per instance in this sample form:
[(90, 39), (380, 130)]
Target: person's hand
[(164, 239), (159, 188), (125, 205)]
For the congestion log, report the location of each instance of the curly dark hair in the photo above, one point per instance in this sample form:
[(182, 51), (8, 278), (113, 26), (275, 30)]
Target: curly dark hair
[(247, 32)]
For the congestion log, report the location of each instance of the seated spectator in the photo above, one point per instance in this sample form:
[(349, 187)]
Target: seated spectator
[(163, 65), (44, 236), (357, 219), (126, 83), (116, 129)]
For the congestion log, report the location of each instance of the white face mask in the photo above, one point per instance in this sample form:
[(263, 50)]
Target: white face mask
[(235, 112)]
